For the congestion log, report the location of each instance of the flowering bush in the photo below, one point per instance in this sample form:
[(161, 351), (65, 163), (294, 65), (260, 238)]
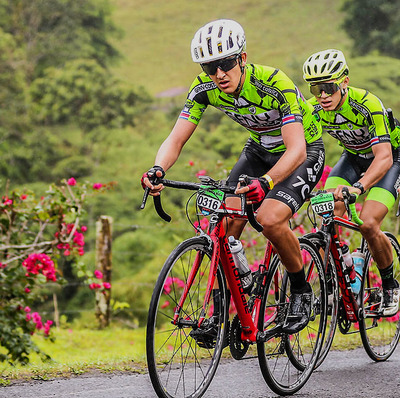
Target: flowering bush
[(34, 233)]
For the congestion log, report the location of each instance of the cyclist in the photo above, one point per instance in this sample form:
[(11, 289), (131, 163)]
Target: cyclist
[(370, 158), (284, 155)]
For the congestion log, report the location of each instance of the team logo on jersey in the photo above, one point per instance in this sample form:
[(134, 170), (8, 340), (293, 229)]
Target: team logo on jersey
[(252, 110), (311, 176), (350, 126)]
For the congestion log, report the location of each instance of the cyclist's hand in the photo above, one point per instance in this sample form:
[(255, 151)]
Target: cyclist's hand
[(338, 193), (255, 190), (151, 177)]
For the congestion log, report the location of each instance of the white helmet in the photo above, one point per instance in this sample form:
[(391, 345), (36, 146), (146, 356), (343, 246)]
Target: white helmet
[(216, 40), (325, 65)]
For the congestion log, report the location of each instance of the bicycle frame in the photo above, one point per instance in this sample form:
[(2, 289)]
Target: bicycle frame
[(221, 254), (332, 246)]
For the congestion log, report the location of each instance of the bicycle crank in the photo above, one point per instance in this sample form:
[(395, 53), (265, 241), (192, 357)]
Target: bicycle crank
[(237, 346)]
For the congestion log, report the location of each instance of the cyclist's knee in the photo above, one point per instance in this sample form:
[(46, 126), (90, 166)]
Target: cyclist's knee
[(273, 223), (369, 228)]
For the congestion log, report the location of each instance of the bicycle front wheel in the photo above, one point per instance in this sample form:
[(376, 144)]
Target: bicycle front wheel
[(182, 358), (333, 296), (287, 361), (379, 334)]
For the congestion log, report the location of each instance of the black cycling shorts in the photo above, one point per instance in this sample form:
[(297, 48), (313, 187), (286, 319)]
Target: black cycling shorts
[(351, 167), (255, 161)]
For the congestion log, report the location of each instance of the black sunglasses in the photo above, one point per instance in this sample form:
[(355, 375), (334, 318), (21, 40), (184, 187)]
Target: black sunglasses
[(225, 64), (327, 88)]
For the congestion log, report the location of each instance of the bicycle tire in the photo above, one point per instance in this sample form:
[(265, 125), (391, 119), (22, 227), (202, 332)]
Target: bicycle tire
[(380, 335), (333, 298), (287, 362), (180, 365)]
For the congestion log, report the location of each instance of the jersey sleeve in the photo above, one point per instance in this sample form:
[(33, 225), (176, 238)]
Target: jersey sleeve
[(197, 99)]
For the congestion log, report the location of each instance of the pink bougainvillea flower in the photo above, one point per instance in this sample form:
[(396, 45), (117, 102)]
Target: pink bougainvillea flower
[(37, 263), (97, 185), (165, 304), (27, 309), (191, 163), (107, 285), (71, 181), (94, 286), (201, 173), (98, 274), (325, 174), (83, 228), (23, 197)]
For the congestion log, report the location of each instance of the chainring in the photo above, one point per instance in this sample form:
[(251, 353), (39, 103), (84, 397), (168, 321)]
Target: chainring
[(343, 323), (237, 346)]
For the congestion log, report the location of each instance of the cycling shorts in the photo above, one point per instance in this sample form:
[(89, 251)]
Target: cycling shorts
[(255, 161), (350, 168)]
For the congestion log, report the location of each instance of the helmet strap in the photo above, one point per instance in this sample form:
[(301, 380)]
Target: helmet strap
[(242, 67), (343, 92)]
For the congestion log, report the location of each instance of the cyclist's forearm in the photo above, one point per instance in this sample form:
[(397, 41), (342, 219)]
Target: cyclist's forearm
[(167, 155), (171, 148), (377, 169)]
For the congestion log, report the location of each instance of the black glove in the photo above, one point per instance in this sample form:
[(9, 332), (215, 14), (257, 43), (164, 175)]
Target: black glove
[(151, 175)]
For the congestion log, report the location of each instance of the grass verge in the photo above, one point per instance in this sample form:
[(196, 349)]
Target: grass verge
[(77, 352)]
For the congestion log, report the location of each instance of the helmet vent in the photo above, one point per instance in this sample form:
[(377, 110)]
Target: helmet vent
[(209, 46), (210, 30), (337, 67), (230, 41), (323, 68), (220, 31), (219, 46)]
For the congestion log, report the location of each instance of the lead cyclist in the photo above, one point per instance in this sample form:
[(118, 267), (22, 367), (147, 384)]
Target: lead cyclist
[(371, 155), (284, 154)]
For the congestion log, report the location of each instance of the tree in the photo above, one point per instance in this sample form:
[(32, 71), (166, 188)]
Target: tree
[(373, 25), (83, 93), (52, 32)]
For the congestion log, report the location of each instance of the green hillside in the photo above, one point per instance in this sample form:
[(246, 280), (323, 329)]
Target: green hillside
[(158, 33)]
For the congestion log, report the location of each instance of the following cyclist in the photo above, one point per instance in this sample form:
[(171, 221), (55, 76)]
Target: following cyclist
[(370, 160), (284, 155)]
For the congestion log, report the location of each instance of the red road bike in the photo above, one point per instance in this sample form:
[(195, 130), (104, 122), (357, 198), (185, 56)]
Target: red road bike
[(188, 321)]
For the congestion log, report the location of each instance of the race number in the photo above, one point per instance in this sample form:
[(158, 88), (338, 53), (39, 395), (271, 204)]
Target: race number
[(209, 200), (323, 203)]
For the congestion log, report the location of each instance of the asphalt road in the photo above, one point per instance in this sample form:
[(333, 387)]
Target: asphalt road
[(343, 374)]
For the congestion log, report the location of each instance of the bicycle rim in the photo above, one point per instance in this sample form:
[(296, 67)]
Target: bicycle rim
[(332, 286), (379, 335), (287, 361), (180, 365)]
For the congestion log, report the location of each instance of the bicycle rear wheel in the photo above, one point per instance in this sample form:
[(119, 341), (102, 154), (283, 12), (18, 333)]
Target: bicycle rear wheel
[(182, 361), (287, 361), (333, 297), (379, 335)]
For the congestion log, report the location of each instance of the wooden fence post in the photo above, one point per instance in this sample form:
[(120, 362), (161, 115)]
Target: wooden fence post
[(104, 264)]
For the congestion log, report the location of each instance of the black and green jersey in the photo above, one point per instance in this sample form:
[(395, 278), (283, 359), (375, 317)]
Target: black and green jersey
[(359, 124), (268, 100)]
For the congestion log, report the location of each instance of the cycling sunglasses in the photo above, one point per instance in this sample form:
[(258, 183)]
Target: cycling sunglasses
[(225, 64), (328, 88)]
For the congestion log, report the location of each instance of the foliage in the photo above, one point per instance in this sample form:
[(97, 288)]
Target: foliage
[(83, 93), (34, 233), (52, 32), (373, 25)]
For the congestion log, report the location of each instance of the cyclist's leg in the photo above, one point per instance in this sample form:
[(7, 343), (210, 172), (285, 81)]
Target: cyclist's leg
[(380, 200), (274, 214), (372, 215)]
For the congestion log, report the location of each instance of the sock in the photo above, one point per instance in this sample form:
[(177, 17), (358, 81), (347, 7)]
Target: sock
[(387, 277), (298, 282)]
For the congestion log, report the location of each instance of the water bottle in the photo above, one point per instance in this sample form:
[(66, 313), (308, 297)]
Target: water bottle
[(239, 257), (358, 261), (348, 260)]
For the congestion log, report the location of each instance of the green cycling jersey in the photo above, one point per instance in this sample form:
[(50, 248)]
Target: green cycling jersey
[(268, 100), (359, 123)]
